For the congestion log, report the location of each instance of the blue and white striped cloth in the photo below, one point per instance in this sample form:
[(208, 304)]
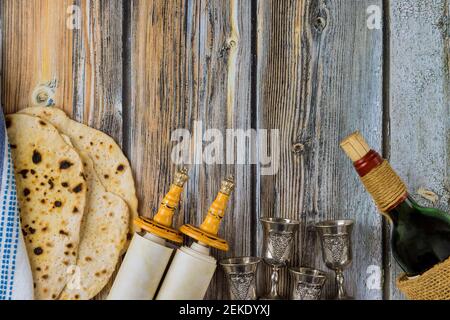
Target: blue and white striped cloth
[(16, 282)]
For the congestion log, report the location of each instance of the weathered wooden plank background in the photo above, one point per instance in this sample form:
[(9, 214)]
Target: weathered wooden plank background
[(418, 103), (315, 70)]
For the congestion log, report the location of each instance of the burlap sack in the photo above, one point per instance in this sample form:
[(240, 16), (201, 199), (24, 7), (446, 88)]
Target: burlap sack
[(434, 284)]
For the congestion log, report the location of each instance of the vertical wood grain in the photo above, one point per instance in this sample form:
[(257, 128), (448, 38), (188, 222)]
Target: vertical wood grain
[(155, 85), (98, 66), (190, 61), (37, 49), (220, 38), (42, 45), (419, 102), (319, 79)]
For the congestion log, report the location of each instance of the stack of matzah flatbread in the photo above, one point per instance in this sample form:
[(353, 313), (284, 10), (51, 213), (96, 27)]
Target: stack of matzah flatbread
[(77, 198)]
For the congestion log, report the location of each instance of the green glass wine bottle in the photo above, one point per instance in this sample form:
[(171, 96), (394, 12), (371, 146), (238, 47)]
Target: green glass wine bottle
[(420, 236)]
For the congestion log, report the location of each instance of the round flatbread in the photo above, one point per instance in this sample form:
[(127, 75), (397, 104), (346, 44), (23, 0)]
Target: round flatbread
[(103, 237), (110, 163), (51, 191)]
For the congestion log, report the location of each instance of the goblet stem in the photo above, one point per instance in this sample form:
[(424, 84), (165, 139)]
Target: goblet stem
[(274, 282), (342, 295)]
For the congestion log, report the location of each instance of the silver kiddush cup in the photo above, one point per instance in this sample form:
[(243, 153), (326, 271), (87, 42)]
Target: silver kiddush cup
[(279, 237), (336, 241), (307, 283), (241, 276)]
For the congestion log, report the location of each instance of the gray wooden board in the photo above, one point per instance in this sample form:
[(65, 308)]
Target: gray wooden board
[(419, 117)]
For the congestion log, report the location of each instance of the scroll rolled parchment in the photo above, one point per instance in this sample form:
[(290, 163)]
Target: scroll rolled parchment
[(189, 274), (140, 273)]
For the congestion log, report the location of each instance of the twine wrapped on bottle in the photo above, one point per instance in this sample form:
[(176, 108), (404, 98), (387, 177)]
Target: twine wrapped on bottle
[(385, 186)]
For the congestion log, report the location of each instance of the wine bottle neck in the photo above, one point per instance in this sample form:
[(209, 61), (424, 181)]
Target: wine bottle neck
[(380, 180), (367, 163), (406, 205)]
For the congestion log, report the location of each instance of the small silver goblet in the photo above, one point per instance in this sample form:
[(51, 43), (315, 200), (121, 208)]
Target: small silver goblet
[(241, 275), (307, 283), (336, 242), (279, 236)]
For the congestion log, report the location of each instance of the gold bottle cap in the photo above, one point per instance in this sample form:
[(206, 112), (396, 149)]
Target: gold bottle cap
[(208, 230), (161, 225), (355, 146)]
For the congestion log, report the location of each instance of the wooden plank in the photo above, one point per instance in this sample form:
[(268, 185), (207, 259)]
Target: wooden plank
[(221, 99), (37, 49), (198, 70), (319, 79), (419, 102), (98, 67), (77, 45), (154, 90)]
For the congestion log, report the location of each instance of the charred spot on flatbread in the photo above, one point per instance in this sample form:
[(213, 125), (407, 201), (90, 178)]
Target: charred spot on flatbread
[(78, 188), (65, 164), (24, 173), (37, 157)]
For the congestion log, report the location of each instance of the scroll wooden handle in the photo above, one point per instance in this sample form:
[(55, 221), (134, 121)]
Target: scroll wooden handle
[(216, 212), (171, 200)]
